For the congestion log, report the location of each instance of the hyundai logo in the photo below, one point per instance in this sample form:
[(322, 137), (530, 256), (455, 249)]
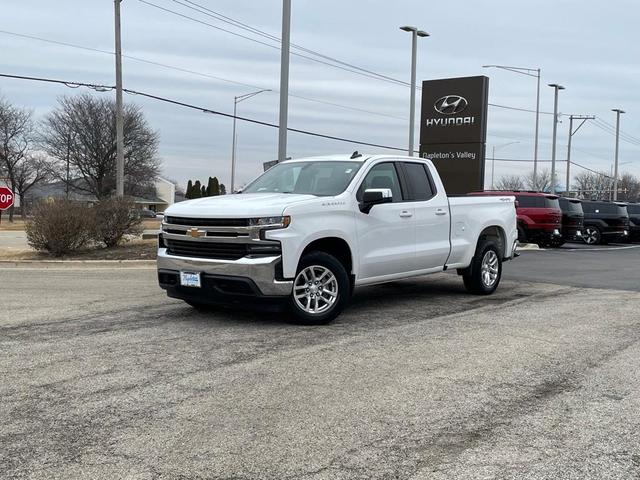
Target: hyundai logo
[(450, 104)]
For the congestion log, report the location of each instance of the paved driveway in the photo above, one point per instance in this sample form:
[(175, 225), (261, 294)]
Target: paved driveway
[(105, 378)]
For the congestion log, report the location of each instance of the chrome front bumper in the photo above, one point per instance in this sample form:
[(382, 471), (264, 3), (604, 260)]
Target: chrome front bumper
[(261, 270)]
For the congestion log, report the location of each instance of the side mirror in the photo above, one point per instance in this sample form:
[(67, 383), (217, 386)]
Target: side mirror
[(375, 196)]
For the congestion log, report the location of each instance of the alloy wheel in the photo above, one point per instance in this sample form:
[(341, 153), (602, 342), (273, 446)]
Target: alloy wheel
[(315, 289), (590, 236), (489, 268)]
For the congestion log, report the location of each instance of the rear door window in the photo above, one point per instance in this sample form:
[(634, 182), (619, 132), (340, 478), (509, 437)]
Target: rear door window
[(418, 180)]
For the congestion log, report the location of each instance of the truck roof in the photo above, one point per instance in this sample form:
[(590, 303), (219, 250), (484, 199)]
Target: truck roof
[(361, 157)]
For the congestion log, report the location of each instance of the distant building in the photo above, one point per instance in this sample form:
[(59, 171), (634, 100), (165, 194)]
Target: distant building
[(164, 197)]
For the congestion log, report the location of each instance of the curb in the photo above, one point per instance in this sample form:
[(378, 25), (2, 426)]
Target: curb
[(76, 263), (528, 246)]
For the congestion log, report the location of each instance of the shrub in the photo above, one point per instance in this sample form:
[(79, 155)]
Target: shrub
[(60, 227), (116, 217)]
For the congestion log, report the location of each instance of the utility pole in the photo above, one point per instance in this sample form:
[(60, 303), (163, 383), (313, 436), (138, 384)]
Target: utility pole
[(415, 33), (572, 132), (284, 79), (530, 72), (119, 114), (615, 171), (556, 88)]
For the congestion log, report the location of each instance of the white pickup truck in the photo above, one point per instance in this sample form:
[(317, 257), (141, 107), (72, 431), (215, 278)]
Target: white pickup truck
[(307, 232)]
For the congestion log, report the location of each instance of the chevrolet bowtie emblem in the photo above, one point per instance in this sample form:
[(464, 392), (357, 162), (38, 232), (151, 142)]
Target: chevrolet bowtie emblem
[(195, 233)]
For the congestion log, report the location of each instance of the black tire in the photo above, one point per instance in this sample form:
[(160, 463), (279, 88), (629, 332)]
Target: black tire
[(318, 263), (522, 234), (201, 307), (558, 243), (592, 236), (474, 277)]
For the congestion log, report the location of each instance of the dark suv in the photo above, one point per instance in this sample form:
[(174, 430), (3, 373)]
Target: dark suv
[(539, 216), (633, 209), (604, 222), (572, 220)]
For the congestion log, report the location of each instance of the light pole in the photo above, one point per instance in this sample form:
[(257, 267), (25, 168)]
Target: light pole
[(572, 132), (530, 72), (615, 170), (493, 160), (556, 89), (236, 101), (415, 33), (119, 114), (284, 79)]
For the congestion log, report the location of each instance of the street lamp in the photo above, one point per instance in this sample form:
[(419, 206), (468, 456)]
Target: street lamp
[(415, 33), (556, 89), (493, 160), (615, 171), (236, 101), (530, 72)]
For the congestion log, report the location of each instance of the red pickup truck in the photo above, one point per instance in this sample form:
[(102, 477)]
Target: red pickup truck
[(539, 216)]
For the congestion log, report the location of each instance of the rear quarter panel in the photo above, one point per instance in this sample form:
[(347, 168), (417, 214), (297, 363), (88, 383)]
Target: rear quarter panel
[(470, 215)]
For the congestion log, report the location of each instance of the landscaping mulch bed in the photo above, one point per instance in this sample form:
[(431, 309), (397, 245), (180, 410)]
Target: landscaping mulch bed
[(133, 250)]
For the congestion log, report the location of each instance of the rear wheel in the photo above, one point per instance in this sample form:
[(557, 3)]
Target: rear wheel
[(485, 271), (321, 289), (592, 236)]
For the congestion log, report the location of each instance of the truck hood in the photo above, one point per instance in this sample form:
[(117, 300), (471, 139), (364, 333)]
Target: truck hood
[(244, 205)]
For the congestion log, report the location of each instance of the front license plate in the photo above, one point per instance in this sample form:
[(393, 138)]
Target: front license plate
[(190, 279)]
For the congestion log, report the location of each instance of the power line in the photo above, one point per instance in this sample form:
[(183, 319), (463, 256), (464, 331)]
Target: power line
[(357, 72), (104, 88), (193, 72), (236, 23)]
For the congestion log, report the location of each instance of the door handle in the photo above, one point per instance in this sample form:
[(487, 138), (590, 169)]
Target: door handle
[(406, 214), (441, 211)]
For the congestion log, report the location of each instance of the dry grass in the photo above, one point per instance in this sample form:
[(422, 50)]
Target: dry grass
[(133, 250), (18, 224)]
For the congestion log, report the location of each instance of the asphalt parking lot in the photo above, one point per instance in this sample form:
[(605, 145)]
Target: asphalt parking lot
[(104, 377)]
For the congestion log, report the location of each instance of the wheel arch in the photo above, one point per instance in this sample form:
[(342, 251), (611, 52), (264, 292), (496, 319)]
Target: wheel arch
[(497, 233), (334, 246)]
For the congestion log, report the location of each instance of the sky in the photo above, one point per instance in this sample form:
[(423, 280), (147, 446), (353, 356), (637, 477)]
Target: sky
[(587, 46)]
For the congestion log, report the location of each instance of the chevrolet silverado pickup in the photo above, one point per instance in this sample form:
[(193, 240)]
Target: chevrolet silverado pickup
[(306, 232)]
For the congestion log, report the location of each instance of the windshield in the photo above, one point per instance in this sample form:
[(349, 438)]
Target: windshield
[(322, 178)]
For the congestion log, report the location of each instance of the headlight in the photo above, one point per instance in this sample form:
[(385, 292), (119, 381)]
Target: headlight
[(270, 222)]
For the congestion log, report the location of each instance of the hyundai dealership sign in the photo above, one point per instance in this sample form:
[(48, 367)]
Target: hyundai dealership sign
[(453, 130)]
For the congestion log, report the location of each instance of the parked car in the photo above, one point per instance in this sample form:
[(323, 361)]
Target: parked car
[(306, 232), (146, 213), (539, 216), (572, 220), (633, 209), (604, 222)]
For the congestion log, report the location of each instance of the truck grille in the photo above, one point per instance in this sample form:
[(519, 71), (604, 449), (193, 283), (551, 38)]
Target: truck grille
[(213, 250), (208, 222)]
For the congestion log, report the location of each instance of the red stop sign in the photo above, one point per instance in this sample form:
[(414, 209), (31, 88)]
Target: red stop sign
[(6, 198)]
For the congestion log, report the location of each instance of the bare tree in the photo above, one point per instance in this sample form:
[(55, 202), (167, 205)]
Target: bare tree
[(510, 182), (16, 135), (542, 181), (628, 188), (596, 186), (31, 171), (81, 135)]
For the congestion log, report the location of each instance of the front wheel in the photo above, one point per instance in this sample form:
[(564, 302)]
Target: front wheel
[(485, 271), (321, 289)]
